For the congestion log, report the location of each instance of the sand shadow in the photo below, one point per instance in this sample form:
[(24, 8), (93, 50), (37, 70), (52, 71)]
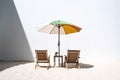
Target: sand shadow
[(7, 64), (84, 65)]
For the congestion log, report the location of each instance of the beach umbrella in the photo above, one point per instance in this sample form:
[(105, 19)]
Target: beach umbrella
[(60, 27)]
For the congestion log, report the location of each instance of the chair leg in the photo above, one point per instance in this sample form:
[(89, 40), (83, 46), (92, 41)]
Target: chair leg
[(48, 65), (36, 64), (64, 64), (67, 65), (78, 65)]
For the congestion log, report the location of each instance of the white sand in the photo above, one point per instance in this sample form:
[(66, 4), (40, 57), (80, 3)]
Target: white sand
[(109, 70)]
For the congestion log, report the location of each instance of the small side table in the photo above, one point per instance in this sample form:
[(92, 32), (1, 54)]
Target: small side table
[(61, 60)]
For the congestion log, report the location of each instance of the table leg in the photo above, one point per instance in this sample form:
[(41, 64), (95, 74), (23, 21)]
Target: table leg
[(54, 62), (62, 61)]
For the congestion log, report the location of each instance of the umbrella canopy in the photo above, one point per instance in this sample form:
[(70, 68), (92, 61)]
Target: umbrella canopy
[(60, 27), (65, 28)]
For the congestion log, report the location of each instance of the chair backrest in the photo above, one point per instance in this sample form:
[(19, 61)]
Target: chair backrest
[(41, 54), (73, 55)]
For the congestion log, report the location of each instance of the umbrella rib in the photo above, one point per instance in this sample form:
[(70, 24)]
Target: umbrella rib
[(41, 28), (51, 30), (45, 28)]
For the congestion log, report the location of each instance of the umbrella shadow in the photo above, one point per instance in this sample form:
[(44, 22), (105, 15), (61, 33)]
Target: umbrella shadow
[(7, 64), (84, 65)]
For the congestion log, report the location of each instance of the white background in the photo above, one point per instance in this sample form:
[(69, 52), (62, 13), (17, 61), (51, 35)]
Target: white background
[(99, 19)]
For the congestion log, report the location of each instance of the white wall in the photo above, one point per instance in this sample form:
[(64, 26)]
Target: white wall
[(13, 42), (99, 20)]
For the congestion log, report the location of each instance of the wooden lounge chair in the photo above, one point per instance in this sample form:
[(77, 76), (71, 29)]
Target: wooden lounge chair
[(42, 57), (72, 57)]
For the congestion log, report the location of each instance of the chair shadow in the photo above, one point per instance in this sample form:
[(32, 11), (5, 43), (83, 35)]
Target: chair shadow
[(83, 65), (8, 64)]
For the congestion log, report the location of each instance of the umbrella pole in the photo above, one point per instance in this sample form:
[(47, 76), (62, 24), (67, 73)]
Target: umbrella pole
[(59, 43)]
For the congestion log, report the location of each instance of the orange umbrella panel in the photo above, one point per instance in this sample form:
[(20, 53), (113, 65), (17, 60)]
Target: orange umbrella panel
[(68, 28)]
